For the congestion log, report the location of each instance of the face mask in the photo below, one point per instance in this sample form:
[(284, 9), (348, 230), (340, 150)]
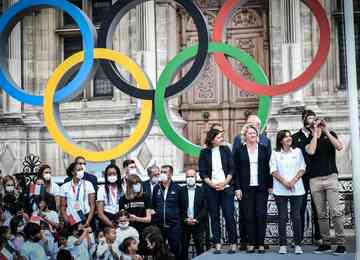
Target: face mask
[(163, 177), (112, 179), (123, 226), (155, 180), (47, 177), (102, 239), (9, 188), (80, 174), (190, 181), (137, 187), (132, 171)]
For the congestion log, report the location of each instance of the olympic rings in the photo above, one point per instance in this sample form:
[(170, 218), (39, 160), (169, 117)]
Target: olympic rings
[(7, 22), (105, 41), (53, 122), (284, 88), (176, 63), (151, 99)]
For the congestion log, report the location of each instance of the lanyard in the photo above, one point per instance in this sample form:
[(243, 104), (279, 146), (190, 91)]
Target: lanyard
[(77, 194)]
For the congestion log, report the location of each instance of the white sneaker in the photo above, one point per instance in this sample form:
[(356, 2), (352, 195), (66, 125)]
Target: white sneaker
[(283, 250), (298, 250)]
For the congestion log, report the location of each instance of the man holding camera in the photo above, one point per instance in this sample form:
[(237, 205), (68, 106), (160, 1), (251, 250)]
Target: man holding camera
[(323, 175)]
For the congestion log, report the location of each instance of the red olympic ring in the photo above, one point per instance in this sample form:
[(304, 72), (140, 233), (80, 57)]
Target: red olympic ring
[(283, 88)]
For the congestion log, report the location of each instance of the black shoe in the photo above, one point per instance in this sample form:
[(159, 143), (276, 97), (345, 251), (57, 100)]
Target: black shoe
[(323, 249), (267, 247), (231, 252), (243, 247), (217, 252), (340, 250)]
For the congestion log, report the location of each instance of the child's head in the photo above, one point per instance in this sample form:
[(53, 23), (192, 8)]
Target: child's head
[(5, 232), (123, 219), (129, 246), (32, 232), (110, 234), (77, 230), (64, 254), (101, 236), (17, 224)]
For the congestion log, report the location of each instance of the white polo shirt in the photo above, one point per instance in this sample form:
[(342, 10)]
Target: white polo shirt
[(55, 189), (288, 164), (111, 203), (77, 194)]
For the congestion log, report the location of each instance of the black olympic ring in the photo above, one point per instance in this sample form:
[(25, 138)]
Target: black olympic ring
[(117, 11)]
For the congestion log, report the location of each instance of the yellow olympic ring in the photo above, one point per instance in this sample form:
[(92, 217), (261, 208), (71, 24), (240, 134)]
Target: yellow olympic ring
[(50, 108)]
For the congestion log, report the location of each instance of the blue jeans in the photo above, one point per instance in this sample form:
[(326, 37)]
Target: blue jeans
[(225, 200)]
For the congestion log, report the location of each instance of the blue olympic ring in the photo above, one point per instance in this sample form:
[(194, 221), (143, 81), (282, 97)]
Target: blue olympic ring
[(7, 22)]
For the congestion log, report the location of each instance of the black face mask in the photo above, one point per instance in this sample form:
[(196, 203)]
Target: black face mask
[(80, 232)]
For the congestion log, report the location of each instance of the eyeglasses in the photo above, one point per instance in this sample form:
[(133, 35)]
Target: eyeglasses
[(163, 172)]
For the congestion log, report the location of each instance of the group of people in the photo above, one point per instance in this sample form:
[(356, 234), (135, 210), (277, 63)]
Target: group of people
[(127, 218), (250, 170)]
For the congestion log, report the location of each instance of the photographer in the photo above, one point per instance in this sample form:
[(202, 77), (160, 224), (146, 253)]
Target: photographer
[(300, 140), (324, 183)]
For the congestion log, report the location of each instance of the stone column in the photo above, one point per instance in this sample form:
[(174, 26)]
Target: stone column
[(155, 34), (291, 49), (10, 105)]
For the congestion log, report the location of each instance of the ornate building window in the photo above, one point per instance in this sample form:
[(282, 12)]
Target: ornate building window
[(96, 10), (340, 22)]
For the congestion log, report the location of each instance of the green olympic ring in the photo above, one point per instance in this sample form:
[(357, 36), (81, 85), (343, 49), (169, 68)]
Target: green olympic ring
[(166, 77)]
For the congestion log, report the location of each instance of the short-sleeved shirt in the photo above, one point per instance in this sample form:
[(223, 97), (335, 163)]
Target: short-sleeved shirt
[(55, 189), (52, 215), (111, 204), (287, 164), (137, 207), (323, 162), (77, 194), (33, 251)]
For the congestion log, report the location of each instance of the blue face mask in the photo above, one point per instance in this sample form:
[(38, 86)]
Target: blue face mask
[(137, 187)]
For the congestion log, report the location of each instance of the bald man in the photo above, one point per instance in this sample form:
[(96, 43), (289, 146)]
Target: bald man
[(194, 215), (263, 140)]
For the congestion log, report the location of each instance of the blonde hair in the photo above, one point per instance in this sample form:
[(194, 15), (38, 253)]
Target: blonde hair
[(244, 131)]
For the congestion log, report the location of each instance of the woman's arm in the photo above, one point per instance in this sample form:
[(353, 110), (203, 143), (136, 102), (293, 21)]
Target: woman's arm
[(92, 209), (101, 214), (146, 219)]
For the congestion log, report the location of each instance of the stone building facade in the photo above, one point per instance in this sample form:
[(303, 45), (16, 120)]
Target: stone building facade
[(281, 35)]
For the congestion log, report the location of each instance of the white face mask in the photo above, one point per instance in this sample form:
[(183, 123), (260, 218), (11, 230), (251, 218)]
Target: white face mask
[(112, 178), (190, 181), (80, 174), (137, 187), (163, 177), (47, 177), (155, 180), (124, 226), (132, 171), (9, 188)]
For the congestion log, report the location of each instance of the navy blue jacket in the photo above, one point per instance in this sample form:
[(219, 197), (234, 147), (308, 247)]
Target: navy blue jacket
[(167, 212), (205, 162), (242, 168)]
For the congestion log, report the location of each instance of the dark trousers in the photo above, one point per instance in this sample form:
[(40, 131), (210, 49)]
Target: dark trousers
[(316, 232), (225, 200), (242, 223), (254, 203), (197, 233), (295, 206), (173, 235)]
